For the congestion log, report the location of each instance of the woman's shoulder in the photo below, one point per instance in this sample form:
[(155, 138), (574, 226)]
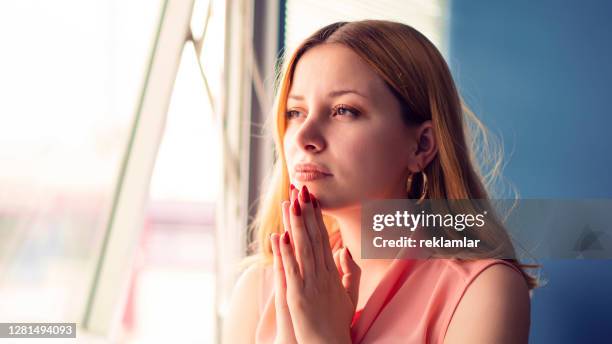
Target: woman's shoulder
[(250, 275), (495, 293), (247, 283), (487, 277), (254, 277), (245, 304), (464, 270), (257, 281)]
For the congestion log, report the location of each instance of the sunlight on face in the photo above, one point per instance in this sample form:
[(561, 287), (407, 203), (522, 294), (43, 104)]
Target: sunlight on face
[(342, 118)]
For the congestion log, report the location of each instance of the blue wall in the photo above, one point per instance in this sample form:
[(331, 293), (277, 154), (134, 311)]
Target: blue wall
[(540, 74), (541, 71)]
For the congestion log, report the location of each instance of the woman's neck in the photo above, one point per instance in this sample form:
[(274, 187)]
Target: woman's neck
[(349, 223)]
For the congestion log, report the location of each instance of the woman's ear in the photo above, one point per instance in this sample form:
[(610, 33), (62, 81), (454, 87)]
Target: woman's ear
[(426, 146)]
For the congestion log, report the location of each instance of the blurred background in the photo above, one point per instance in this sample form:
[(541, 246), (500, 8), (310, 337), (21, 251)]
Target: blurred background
[(132, 146)]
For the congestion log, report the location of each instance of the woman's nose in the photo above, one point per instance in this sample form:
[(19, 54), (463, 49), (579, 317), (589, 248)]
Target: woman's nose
[(309, 136)]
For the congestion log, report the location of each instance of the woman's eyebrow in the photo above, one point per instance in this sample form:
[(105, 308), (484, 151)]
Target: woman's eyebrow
[(332, 94), (341, 92)]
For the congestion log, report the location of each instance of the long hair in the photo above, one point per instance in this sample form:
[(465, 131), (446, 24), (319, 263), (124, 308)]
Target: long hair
[(418, 76)]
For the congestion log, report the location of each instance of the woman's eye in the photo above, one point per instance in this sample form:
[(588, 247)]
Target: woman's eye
[(292, 114), (341, 110), (344, 110)]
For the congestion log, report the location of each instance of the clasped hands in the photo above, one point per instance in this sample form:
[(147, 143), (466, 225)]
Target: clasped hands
[(316, 292)]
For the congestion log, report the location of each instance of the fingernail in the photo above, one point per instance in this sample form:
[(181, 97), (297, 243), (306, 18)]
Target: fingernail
[(315, 203), (292, 186), (286, 238), (305, 194), (297, 211)]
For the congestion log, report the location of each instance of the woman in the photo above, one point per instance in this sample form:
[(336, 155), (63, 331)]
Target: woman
[(368, 110)]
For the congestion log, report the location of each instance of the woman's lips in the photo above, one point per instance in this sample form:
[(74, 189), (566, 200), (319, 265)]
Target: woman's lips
[(306, 176), (309, 171)]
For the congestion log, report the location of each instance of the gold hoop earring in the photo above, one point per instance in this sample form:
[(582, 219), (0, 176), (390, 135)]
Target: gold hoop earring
[(423, 188)]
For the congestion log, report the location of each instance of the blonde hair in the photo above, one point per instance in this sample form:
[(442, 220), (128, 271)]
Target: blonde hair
[(417, 74)]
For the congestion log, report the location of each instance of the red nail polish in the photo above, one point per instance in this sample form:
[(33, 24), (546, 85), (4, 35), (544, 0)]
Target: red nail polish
[(297, 211), (292, 186), (315, 203), (286, 239), (305, 194)]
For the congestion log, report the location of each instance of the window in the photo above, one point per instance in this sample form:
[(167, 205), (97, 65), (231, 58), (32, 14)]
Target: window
[(174, 270), (71, 75)]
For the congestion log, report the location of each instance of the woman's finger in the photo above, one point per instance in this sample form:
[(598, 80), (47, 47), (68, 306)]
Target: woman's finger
[(283, 317), (337, 262), (293, 194), (285, 210), (293, 278), (313, 231), (327, 253), (286, 223), (351, 275), (301, 241)]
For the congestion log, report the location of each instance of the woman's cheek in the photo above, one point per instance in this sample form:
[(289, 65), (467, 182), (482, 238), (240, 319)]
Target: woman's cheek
[(289, 151), (378, 167), (365, 171)]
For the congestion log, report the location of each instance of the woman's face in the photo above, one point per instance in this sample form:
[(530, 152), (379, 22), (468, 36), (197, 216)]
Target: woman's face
[(342, 118)]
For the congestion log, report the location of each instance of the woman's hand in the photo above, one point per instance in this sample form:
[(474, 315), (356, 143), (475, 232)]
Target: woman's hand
[(284, 326), (320, 303)]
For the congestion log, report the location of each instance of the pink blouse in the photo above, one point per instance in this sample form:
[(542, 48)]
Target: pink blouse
[(413, 303)]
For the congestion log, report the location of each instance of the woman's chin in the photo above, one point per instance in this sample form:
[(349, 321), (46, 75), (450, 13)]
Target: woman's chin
[(333, 207)]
